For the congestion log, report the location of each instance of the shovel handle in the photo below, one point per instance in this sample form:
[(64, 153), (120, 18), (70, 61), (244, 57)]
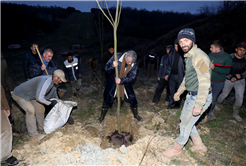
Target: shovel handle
[(41, 60)]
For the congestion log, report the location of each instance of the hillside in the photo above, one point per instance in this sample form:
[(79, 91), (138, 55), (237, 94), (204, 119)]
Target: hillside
[(227, 27)]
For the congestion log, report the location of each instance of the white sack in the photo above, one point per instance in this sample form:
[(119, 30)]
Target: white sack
[(58, 115)]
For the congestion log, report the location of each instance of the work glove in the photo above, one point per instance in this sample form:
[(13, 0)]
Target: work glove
[(53, 103)]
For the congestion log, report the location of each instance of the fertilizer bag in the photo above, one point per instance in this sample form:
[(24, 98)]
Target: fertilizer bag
[(58, 115)]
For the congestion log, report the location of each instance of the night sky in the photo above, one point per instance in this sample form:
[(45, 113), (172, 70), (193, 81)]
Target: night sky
[(85, 6)]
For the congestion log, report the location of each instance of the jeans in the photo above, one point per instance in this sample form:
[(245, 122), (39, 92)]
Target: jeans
[(239, 87), (161, 86), (187, 125), (216, 89)]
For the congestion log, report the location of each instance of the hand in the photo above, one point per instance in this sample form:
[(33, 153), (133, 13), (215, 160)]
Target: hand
[(238, 76), (158, 78), (233, 79), (11, 92), (53, 103), (196, 111), (28, 79), (8, 112), (212, 65), (166, 77), (176, 96), (115, 63), (43, 67), (117, 80)]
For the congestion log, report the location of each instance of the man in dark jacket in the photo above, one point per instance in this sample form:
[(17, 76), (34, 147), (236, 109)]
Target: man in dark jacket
[(175, 74), (33, 95), (106, 56), (127, 65), (161, 78), (29, 57), (6, 132), (152, 59), (38, 69), (73, 72)]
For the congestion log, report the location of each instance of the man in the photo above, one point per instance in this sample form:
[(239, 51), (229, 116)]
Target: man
[(7, 84), (174, 74), (32, 95), (127, 65), (221, 66), (6, 132), (197, 83), (76, 55), (38, 69), (161, 78), (236, 80), (29, 57), (152, 59), (73, 72), (106, 56), (93, 66)]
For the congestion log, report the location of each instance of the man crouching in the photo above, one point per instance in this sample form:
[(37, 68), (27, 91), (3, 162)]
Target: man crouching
[(127, 65)]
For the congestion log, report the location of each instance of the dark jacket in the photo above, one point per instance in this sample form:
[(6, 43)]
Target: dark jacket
[(126, 81), (6, 79), (35, 68), (72, 69), (106, 56), (181, 67), (29, 57), (152, 59), (163, 67)]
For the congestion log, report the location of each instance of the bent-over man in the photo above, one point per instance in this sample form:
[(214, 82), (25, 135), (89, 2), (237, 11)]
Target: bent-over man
[(127, 65), (32, 95)]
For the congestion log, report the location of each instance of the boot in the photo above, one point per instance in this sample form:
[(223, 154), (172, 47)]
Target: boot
[(236, 110), (217, 106), (198, 145), (103, 113), (135, 113), (175, 151)]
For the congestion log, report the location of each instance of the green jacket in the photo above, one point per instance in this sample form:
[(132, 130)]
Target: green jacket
[(222, 67)]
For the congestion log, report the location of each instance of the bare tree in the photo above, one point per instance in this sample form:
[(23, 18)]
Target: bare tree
[(115, 24)]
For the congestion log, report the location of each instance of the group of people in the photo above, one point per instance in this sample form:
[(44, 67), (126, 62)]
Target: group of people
[(184, 68)]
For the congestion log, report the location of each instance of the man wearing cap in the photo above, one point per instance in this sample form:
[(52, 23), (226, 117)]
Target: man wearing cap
[(32, 95), (161, 75), (236, 80), (199, 97)]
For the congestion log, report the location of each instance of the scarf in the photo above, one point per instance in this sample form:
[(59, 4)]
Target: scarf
[(123, 74)]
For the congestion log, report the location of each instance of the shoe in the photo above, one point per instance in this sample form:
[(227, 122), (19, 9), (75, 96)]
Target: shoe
[(236, 110), (70, 120), (74, 94), (174, 152), (103, 113), (152, 103), (135, 113), (12, 161), (217, 106), (198, 145), (38, 137)]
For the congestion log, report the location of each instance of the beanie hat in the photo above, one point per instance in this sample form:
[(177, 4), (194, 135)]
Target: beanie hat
[(242, 44), (169, 47), (187, 33)]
